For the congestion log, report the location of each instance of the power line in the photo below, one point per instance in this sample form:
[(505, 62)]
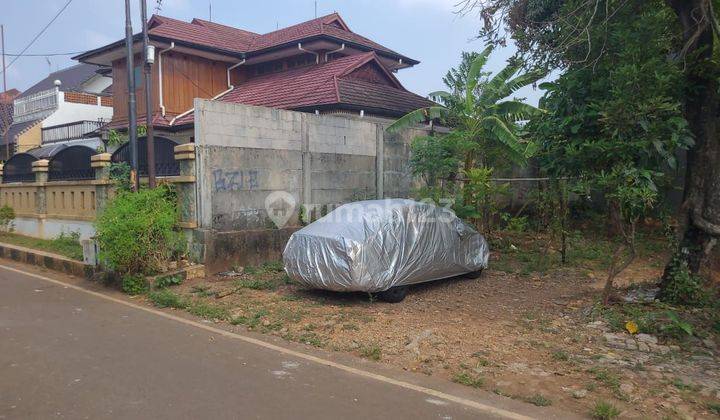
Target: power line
[(57, 15), (44, 55)]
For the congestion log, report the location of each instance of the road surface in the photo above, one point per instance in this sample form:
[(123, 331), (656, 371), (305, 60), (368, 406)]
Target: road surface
[(71, 353)]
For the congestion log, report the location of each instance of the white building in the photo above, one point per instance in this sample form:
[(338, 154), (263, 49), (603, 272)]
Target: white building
[(67, 106)]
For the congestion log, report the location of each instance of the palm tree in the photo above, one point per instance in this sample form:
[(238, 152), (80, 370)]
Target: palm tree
[(476, 112)]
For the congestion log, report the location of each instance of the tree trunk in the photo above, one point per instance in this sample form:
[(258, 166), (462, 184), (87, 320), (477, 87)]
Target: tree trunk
[(700, 212)]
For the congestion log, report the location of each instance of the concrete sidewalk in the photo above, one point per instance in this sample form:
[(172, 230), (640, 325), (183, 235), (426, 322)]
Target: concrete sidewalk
[(67, 353)]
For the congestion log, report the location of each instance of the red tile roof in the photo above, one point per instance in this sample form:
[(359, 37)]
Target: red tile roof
[(234, 40), (324, 84), (198, 33)]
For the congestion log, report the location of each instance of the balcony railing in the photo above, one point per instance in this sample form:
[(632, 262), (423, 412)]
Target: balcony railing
[(35, 106), (70, 131)]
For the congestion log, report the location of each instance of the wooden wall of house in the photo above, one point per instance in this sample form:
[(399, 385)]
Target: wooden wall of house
[(185, 78)]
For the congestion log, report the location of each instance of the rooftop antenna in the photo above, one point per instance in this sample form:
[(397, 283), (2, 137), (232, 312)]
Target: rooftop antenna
[(315, 9), (49, 64), (210, 5)]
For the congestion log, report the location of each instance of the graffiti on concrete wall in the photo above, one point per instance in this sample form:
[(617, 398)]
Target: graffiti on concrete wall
[(233, 180)]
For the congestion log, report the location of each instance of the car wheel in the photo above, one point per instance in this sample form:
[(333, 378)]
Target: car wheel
[(394, 295), (474, 274)]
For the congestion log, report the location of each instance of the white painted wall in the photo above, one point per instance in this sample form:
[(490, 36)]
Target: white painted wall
[(71, 112), (52, 228)]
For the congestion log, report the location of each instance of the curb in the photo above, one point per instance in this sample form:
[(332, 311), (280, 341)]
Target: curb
[(47, 260)]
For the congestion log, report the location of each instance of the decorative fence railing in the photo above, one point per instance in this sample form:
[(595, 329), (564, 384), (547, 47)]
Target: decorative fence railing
[(18, 178), (29, 107), (77, 194), (162, 169), (71, 175), (74, 130)]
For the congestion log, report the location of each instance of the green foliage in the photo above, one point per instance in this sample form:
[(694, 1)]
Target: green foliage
[(481, 198), (167, 299), (267, 267), (168, 281), (208, 310), (120, 175), (657, 320), (136, 231), (604, 411), (539, 400), (677, 327), (116, 138), (7, 215), (516, 224), (683, 287), (66, 244), (477, 112), (467, 379), (255, 284), (714, 408), (134, 284), (372, 352), (437, 160)]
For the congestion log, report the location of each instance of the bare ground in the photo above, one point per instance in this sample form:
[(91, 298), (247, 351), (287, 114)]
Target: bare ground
[(533, 331)]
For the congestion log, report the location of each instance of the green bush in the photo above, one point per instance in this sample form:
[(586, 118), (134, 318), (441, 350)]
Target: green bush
[(7, 215), (136, 231), (683, 287), (134, 284)]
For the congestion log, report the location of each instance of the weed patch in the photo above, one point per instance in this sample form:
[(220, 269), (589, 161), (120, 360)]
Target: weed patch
[(604, 411), (255, 284), (134, 284), (67, 245), (466, 379), (168, 281), (372, 352), (208, 310), (167, 299), (539, 400)]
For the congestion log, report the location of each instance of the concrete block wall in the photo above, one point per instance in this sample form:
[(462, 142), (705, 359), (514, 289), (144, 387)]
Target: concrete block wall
[(245, 154)]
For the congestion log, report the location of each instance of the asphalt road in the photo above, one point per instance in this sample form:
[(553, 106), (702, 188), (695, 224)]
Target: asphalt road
[(70, 353)]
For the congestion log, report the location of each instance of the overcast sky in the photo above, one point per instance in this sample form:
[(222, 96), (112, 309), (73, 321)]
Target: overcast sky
[(427, 30)]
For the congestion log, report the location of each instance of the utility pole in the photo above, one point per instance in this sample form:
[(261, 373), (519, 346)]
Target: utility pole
[(149, 58), (132, 117), (2, 41), (4, 134)]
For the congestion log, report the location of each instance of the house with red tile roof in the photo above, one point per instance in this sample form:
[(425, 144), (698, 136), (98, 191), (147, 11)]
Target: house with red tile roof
[(318, 66)]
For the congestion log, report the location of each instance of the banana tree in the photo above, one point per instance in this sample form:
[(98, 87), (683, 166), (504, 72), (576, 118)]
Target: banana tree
[(477, 112)]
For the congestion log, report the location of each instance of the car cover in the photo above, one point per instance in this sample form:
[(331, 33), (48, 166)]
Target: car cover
[(372, 246)]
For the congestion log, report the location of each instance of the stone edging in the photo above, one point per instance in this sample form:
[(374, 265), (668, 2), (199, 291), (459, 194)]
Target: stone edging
[(47, 260)]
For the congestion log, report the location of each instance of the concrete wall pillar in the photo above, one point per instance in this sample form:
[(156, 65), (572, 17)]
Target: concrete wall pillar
[(379, 161), (187, 197), (40, 168), (306, 169), (101, 164)]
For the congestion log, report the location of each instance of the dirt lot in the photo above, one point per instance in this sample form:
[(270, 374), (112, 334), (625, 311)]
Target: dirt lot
[(530, 328)]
